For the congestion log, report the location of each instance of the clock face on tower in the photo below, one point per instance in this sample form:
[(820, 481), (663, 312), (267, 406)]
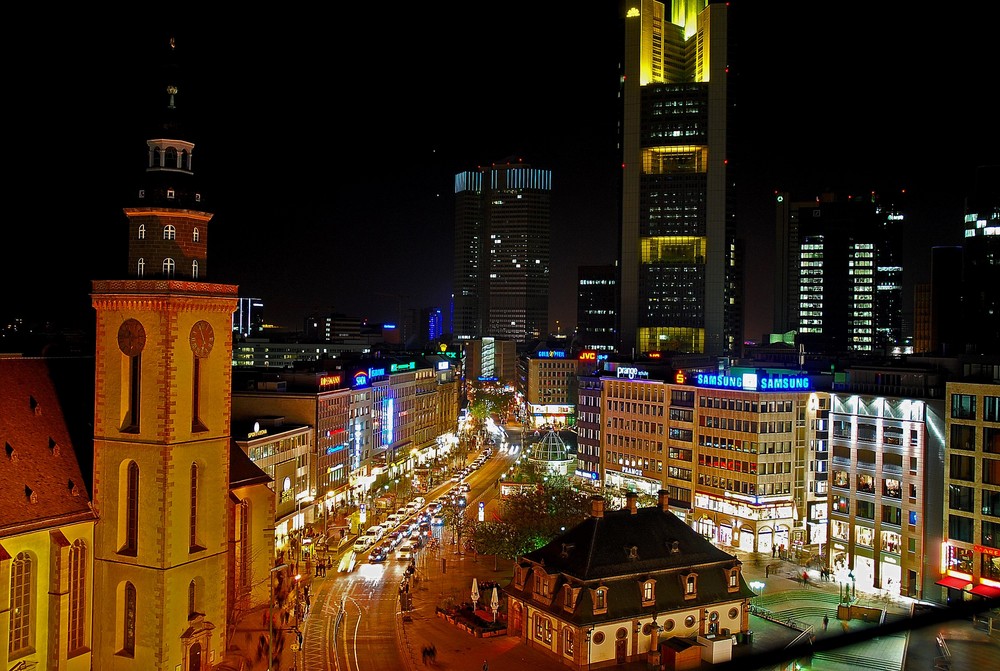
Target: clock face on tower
[(131, 337), (202, 339)]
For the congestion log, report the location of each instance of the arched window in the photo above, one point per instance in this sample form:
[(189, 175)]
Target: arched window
[(142, 231), (192, 601), (196, 235), (194, 269), (140, 267), (170, 158), (169, 232), (168, 267), (130, 546), (157, 158), (21, 614), (243, 546), (185, 160), (193, 520), (128, 620), (77, 595)]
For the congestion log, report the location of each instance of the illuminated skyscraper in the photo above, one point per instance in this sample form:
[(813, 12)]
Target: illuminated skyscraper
[(681, 286), (501, 281)]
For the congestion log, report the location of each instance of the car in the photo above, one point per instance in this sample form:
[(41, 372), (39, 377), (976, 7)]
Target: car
[(457, 477), (379, 553), (464, 487), (425, 528), (404, 551), (437, 520), (362, 544), (419, 500), (394, 537)]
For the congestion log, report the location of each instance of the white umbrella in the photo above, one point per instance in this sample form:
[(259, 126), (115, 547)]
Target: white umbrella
[(495, 603), (475, 592)]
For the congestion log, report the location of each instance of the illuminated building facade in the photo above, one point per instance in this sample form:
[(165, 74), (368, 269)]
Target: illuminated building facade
[(850, 290), (502, 230), (248, 320), (970, 554), (680, 267), (550, 388), (491, 359), (886, 441), (981, 266), (588, 428), (596, 311)]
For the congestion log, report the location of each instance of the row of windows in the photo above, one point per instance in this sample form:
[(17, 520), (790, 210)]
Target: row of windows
[(23, 605), (169, 233), (129, 544), (168, 267)]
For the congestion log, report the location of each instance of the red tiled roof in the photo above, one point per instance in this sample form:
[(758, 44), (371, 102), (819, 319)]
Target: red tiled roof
[(38, 462)]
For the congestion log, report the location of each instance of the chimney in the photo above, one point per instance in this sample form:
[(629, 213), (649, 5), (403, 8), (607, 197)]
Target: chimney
[(663, 500), (597, 506), (630, 500)]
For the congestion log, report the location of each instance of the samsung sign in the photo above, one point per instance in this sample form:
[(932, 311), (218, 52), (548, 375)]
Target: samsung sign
[(753, 381)]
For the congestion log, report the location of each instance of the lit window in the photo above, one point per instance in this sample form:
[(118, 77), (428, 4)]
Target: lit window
[(19, 641), (169, 232)]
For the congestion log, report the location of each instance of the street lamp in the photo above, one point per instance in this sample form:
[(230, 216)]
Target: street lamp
[(270, 613)]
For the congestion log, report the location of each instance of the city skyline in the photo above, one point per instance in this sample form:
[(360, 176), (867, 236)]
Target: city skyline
[(328, 171)]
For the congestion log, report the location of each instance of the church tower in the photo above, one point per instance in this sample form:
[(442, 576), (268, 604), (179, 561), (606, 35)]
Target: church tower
[(161, 425)]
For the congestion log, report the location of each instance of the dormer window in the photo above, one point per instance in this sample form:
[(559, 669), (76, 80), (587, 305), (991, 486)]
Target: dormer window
[(600, 596), (569, 598), (648, 592), (690, 586), (541, 584), (733, 579)]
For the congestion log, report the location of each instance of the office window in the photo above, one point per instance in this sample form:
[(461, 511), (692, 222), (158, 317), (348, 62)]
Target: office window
[(991, 408), (963, 406), (960, 528), (961, 498), (963, 437), (962, 467)]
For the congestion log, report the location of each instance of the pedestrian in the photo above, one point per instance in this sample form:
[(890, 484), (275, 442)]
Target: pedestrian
[(423, 654), (434, 652), (774, 551), (486, 667), (826, 622)]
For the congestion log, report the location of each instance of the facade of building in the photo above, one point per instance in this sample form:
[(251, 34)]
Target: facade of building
[(680, 271), (588, 428), (248, 320), (970, 556), (622, 586), (596, 308), (491, 359), (981, 262), (46, 522), (162, 577), (850, 292), (501, 280), (548, 385), (886, 444)]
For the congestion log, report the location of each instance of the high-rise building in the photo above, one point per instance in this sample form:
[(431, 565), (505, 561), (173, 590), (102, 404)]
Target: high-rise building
[(850, 291), (501, 280), (248, 320), (596, 314), (431, 324), (981, 267), (681, 286)]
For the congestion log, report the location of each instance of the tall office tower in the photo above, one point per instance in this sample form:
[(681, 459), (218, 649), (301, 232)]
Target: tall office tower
[(947, 330), (680, 276), (982, 262), (248, 320), (163, 380), (431, 324), (501, 280), (596, 312), (922, 318), (849, 289)]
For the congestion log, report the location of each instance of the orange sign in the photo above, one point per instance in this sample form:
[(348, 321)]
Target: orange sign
[(679, 378), (329, 379), (588, 356)]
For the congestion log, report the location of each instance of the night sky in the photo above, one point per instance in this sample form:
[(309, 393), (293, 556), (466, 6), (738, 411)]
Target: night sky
[(328, 142)]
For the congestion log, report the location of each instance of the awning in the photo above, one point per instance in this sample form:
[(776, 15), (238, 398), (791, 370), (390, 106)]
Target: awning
[(953, 582), (986, 591)]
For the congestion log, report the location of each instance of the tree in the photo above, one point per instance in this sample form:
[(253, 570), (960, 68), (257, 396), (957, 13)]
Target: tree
[(500, 539), (541, 514)]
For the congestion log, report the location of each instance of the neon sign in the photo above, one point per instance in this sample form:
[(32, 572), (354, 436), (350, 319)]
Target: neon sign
[(443, 365), (588, 356), (360, 379), (680, 378), (631, 372), (396, 367), (632, 471), (376, 372), (329, 380), (552, 354)]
